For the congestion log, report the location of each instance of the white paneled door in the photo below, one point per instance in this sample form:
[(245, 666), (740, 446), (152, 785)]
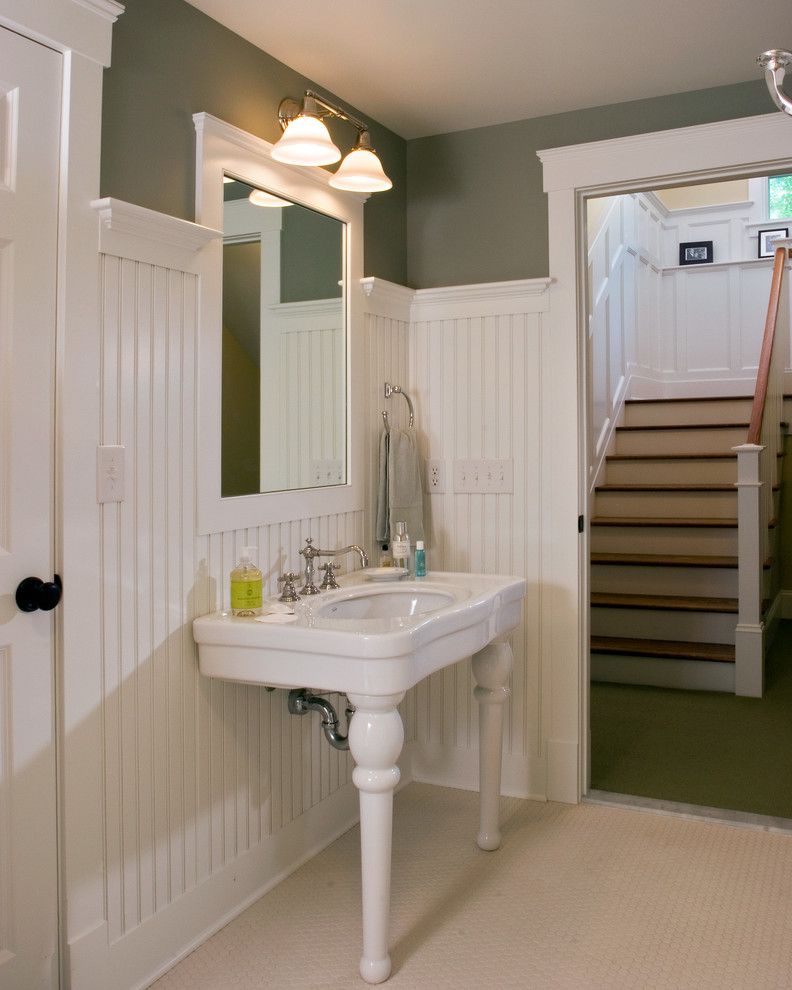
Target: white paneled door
[(29, 141)]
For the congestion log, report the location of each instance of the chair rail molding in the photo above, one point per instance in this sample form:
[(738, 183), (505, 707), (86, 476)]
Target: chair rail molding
[(748, 146), (134, 232)]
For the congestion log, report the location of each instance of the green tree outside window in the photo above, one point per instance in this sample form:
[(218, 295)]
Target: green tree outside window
[(779, 188)]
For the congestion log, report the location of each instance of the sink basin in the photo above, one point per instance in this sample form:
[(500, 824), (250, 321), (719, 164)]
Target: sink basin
[(364, 637), (381, 603)]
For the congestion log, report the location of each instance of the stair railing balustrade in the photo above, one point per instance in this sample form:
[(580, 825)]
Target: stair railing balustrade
[(758, 472)]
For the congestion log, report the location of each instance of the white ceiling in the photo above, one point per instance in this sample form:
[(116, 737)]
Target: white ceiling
[(432, 66)]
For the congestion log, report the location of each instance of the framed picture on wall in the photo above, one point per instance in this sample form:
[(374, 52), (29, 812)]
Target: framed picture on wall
[(766, 238), (695, 253)]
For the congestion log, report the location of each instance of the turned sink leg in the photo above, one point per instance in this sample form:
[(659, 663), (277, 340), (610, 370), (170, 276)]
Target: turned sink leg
[(376, 736), (491, 668)]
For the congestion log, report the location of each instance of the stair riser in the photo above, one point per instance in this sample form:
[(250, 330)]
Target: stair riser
[(681, 413), (664, 540), (693, 471), (667, 505), (671, 441), (707, 582), (692, 675), (639, 623)]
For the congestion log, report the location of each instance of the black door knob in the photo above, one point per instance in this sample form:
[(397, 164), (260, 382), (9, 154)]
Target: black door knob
[(33, 593)]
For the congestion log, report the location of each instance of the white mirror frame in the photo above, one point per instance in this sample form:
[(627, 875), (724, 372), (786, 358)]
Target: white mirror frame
[(223, 149)]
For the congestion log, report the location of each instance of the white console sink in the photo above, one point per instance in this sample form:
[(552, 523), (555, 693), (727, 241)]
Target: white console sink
[(370, 637), (373, 642)]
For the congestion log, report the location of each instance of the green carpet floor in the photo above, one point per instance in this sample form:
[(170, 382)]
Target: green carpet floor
[(699, 747)]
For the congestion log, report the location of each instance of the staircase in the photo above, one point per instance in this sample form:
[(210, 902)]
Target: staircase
[(664, 546)]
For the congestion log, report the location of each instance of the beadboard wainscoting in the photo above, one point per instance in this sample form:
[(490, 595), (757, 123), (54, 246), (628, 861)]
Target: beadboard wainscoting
[(476, 379), (212, 792)]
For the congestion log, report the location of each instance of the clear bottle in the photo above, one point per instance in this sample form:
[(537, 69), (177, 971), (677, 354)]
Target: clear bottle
[(246, 585), (400, 547), (420, 559)]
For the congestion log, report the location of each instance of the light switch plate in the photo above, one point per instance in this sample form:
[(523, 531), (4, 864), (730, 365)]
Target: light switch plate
[(484, 477), (110, 473)]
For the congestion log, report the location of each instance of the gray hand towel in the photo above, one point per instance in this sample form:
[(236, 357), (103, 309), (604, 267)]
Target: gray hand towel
[(383, 516), (405, 491)]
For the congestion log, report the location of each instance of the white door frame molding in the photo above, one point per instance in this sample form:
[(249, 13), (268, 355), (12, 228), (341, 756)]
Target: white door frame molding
[(750, 146), (82, 31)]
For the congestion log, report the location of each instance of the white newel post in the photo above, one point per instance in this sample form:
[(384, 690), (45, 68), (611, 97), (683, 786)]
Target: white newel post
[(751, 531), (376, 736), (491, 669)]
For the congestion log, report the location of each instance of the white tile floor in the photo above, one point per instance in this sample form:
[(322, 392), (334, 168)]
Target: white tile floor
[(585, 896)]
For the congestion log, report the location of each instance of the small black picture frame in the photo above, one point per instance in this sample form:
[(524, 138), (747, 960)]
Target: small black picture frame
[(695, 253), (766, 238)]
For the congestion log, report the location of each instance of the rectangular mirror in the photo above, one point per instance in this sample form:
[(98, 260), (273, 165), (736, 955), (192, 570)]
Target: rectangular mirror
[(284, 345), (281, 352)]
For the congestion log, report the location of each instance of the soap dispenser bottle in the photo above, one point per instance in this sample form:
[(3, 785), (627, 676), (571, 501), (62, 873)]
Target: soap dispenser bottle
[(246, 585), (400, 547)]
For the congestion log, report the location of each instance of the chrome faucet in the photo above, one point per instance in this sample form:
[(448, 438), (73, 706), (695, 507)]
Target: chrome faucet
[(310, 553)]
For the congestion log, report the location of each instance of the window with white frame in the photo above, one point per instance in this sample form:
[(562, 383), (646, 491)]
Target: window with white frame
[(779, 197)]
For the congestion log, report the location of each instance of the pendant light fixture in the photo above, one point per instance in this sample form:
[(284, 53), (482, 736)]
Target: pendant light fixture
[(306, 141), (775, 63)]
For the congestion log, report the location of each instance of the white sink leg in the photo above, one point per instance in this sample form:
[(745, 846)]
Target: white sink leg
[(376, 736), (491, 668)]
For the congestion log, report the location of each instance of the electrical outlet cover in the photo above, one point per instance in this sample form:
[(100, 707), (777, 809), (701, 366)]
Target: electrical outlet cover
[(436, 476)]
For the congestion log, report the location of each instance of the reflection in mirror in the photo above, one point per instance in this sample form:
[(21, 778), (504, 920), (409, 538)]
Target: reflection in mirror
[(284, 345)]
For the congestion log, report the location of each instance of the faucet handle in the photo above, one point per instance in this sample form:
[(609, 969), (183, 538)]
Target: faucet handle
[(289, 593), (329, 582)]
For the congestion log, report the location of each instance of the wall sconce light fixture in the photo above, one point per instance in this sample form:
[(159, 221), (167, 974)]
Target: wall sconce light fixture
[(306, 141), (774, 63)]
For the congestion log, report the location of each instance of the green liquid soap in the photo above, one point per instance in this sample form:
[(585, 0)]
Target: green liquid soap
[(246, 585)]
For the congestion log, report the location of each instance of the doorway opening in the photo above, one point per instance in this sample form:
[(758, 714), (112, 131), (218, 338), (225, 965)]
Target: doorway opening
[(677, 284)]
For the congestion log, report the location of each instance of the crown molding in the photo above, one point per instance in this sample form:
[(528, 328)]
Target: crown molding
[(108, 9), (135, 232), (81, 26)]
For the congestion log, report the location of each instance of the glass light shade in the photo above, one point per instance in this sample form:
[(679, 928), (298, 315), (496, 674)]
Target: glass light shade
[(260, 198), (306, 141), (361, 171)]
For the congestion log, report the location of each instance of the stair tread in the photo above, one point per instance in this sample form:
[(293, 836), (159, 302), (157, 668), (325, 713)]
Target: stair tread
[(683, 426), (679, 456), (679, 487), (684, 603), (666, 649), (666, 560), (694, 398), (705, 522)]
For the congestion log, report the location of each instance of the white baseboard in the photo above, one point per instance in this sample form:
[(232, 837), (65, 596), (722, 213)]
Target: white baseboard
[(154, 947), (447, 766), (783, 603)]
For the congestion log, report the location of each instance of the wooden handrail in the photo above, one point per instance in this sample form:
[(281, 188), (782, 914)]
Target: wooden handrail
[(766, 356)]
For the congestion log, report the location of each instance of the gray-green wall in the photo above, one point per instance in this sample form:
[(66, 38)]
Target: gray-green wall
[(465, 207), (171, 61), (476, 211)]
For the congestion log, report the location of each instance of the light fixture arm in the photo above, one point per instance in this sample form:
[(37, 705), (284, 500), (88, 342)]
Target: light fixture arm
[(319, 106), (775, 62)]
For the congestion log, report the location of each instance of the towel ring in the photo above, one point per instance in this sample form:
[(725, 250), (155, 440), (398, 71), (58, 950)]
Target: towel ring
[(397, 390)]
